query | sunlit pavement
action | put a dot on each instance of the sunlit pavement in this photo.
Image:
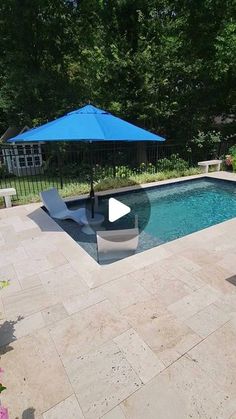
(152, 336)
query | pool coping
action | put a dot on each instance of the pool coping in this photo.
(95, 275)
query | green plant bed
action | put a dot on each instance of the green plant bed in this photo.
(78, 188)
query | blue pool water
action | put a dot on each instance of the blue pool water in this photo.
(183, 208)
(175, 210)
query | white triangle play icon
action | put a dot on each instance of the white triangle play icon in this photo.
(116, 210)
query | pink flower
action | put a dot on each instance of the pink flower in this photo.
(3, 413)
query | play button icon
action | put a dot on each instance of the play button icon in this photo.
(116, 210)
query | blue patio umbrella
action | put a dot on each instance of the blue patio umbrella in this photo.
(87, 124)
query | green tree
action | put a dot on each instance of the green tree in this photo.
(167, 65)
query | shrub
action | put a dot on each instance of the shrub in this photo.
(3, 170)
(173, 163)
(232, 150)
(234, 164)
(113, 183)
(205, 144)
(123, 171)
(230, 159)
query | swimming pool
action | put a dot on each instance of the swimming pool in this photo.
(175, 210)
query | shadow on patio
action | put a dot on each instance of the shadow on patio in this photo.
(7, 330)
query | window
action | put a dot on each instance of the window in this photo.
(29, 161)
(36, 160)
(27, 149)
(35, 149)
(14, 162)
(20, 149)
(21, 161)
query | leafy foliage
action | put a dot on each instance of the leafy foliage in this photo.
(232, 155)
(4, 284)
(168, 65)
(173, 163)
(232, 150)
(2, 388)
(205, 144)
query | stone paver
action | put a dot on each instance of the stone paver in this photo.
(102, 379)
(191, 280)
(115, 413)
(54, 314)
(26, 302)
(194, 302)
(68, 408)
(182, 391)
(124, 292)
(15, 329)
(216, 356)
(62, 280)
(152, 336)
(30, 281)
(87, 330)
(144, 362)
(228, 261)
(38, 246)
(32, 266)
(34, 375)
(216, 276)
(12, 254)
(8, 273)
(207, 321)
(157, 286)
(84, 300)
(166, 335)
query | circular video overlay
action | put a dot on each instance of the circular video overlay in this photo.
(120, 216)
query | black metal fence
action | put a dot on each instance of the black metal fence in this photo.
(31, 168)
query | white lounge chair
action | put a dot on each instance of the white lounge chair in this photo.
(57, 208)
(113, 245)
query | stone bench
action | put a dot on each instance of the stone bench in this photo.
(208, 163)
(7, 194)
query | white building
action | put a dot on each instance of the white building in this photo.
(21, 159)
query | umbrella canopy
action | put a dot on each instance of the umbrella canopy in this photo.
(87, 124)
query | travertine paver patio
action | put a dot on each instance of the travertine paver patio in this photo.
(150, 337)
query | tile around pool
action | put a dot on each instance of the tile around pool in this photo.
(124, 291)
(87, 329)
(116, 413)
(165, 287)
(194, 302)
(144, 362)
(62, 280)
(26, 302)
(216, 357)
(31, 365)
(207, 320)
(68, 408)
(54, 314)
(182, 391)
(101, 379)
(167, 336)
(79, 302)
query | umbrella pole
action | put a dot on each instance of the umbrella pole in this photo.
(91, 194)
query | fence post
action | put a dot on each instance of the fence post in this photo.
(219, 148)
(157, 157)
(113, 161)
(59, 166)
